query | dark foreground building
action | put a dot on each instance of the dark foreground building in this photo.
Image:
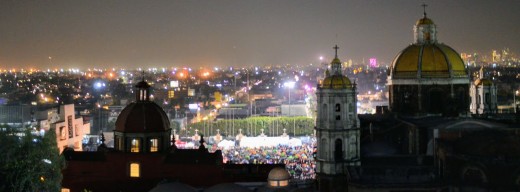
(143, 157)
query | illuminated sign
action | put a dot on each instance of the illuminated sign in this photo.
(373, 62)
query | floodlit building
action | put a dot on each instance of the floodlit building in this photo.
(70, 128)
(483, 96)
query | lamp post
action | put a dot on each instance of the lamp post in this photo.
(290, 85)
(514, 100)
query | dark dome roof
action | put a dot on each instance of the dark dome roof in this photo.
(142, 116)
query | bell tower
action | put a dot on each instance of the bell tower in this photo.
(337, 129)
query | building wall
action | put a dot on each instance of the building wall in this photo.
(483, 99)
(69, 129)
(14, 115)
(412, 99)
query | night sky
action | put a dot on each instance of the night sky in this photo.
(129, 34)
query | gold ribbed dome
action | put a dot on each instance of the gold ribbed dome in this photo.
(336, 82)
(424, 21)
(428, 61)
(485, 82)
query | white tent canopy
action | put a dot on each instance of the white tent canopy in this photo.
(226, 144)
(295, 142)
(264, 141)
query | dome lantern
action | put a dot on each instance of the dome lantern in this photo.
(335, 65)
(335, 78)
(142, 91)
(425, 31)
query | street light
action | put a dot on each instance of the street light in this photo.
(290, 85)
(514, 100)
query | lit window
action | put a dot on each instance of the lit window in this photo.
(65, 190)
(135, 146)
(134, 170)
(63, 134)
(154, 145)
(283, 183)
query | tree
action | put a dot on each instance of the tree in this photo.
(30, 162)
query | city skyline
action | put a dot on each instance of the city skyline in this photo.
(132, 34)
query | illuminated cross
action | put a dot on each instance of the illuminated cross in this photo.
(336, 49)
(424, 8)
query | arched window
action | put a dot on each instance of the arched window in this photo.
(134, 145)
(338, 150)
(154, 145)
(338, 107)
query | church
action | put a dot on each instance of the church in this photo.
(428, 139)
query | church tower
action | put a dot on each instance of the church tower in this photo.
(337, 128)
(483, 96)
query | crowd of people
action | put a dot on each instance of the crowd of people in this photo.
(299, 160)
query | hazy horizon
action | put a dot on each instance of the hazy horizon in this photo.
(130, 34)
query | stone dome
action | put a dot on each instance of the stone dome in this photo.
(429, 60)
(142, 115)
(278, 174)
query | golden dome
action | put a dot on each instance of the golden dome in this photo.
(424, 21)
(430, 60)
(335, 60)
(336, 82)
(484, 82)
